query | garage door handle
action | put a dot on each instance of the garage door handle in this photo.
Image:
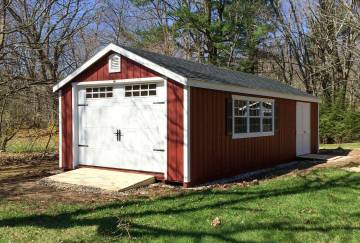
(83, 145)
(159, 102)
(159, 150)
(82, 104)
(118, 135)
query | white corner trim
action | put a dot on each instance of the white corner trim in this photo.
(75, 124)
(122, 81)
(166, 130)
(112, 47)
(60, 131)
(318, 126)
(186, 111)
(237, 89)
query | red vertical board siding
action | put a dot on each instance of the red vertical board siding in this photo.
(314, 128)
(129, 69)
(215, 155)
(175, 129)
(66, 117)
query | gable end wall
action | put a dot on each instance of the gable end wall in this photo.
(129, 70)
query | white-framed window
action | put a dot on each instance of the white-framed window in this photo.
(140, 90)
(114, 63)
(252, 117)
(99, 92)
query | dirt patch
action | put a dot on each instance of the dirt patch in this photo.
(351, 158)
(20, 175)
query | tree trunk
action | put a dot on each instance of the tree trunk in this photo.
(3, 145)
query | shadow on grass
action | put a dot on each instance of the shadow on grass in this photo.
(191, 202)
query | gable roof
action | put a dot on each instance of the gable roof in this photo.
(189, 73)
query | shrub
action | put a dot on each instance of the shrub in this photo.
(339, 125)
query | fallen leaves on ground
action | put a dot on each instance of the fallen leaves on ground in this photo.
(216, 222)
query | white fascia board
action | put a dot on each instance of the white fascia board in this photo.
(153, 66)
(136, 58)
(238, 89)
(82, 68)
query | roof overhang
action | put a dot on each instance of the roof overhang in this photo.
(176, 77)
(237, 89)
(136, 58)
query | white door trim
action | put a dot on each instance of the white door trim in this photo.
(75, 125)
(75, 110)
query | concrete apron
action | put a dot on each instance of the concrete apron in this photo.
(103, 179)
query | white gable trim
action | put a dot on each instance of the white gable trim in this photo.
(238, 89)
(125, 53)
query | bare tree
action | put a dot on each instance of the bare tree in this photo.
(319, 45)
(38, 49)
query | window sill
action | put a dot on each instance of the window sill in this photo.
(252, 135)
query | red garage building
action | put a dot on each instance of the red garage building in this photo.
(182, 121)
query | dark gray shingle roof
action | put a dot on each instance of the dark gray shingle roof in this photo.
(216, 75)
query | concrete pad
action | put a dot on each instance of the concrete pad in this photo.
(103, 179)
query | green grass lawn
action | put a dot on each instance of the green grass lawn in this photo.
(323, 206)
(342, 145)
(33, 140)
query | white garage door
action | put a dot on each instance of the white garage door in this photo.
(123, 126)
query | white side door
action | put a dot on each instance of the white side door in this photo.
(123, 132)
(302, 128)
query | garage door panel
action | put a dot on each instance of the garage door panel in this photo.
(145, 159)
(131, 138)
(142, 123)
